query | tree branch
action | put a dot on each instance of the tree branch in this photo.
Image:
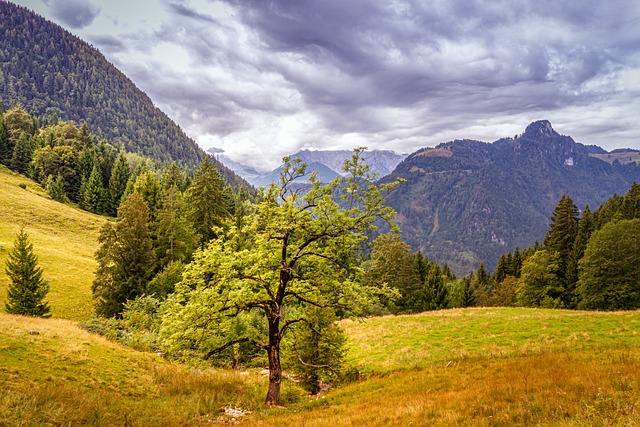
(233, 342)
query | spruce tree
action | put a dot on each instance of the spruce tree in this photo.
(631, 204)
(5, 150)
(207, 201)
(560, 238)
(502, 269)
(27, 289)
(94, 192)
(22, 154)
(55, 188)
(118, 182)
(125, 258)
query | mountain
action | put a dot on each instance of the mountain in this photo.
(54, 73)
(326, 163)
(466, 202)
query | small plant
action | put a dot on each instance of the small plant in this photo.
(22, 185)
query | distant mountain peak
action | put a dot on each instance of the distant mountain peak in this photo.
(540, 128)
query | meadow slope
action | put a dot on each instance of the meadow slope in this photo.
(64, 237)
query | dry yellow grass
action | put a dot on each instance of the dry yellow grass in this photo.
(64, 237)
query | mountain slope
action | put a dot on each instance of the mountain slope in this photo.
(466, 202)
(52, 72)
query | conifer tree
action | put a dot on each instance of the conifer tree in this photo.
(22, 154)
(27, 289)
(436, 292)
(502, 269)
(467, 299)
(5, 150)
(118, 182)
(206, 200)
(55, 188)
(516, 263)
(560, 238)
(125, 258)
(94, 192)
(631, 204)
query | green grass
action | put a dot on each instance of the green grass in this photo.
(66, 376)
(484, 367)
(64, 238)
(389, 343)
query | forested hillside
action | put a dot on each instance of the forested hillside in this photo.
(53, 73)
(466, 202)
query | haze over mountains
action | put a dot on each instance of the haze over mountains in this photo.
(327, 163)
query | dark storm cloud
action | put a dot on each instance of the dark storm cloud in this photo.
(458, 56)
(74, 13)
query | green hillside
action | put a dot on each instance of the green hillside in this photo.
(65, 239)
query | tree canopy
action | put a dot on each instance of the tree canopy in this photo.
(294, 254)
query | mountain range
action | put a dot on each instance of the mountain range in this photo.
(466, 202)
(326, 163)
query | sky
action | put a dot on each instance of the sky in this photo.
(262, 79)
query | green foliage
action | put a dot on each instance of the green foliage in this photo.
(392, 264)
(318, 350)
(298, 258)
(163, 284)
(610, 268)
(540, 283)
(118, 182)
(94, 195)
(22, 154)
(175, 234)
(27, 289)
(125, 258)
(208, 206)
(55, 188)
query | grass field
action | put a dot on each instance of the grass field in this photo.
(546, 374)
(64, 238)
(502, 366)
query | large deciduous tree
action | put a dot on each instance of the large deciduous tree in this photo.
(125, 258)
(299, 259)
(27, 289)
(610, 268)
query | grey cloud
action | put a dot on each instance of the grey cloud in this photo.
(76, 14)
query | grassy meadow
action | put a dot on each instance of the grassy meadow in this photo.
(64, 237)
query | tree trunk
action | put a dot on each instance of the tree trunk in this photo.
(275, 370)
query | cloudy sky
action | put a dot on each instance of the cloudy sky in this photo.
(265, 78)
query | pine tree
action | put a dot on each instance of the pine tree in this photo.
(467, 299)
(125, 258)
(22, 154)
(560, 238)
(27, 289)
(516, 263)
(118, 182)
(5, 150)
(94, 192)
(502, 270)
(631, 203)
(55, 188)
(206, 200)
